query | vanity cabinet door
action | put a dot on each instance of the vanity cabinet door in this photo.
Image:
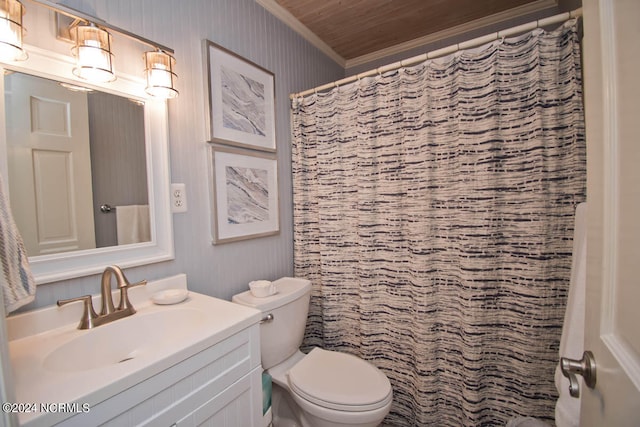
(235, 406)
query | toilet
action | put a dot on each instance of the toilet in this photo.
(319, 389)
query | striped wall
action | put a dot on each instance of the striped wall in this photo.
(247, 29)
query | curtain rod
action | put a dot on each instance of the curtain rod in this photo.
(479, 41)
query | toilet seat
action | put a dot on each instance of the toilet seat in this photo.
(339, 381)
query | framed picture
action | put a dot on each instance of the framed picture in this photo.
(241, 100)
(245, 194)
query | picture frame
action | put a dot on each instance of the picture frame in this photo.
(241, 100)
(245, 194)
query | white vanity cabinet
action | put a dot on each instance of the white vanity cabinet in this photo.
(196, 362)
(220, 386)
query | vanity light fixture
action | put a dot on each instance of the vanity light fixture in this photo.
(92, 46)
(161, 79)
(94, 60)
(11, 12)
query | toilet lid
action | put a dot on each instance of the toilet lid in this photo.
(339, 381)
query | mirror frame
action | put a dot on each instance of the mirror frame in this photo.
(67, 265)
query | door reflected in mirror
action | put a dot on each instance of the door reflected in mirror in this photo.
(70, 152)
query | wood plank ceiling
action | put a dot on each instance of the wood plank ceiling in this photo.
(354, 28)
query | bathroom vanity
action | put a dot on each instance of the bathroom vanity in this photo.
(185, 364)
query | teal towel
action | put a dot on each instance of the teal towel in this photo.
(266, 392)
(16, 281)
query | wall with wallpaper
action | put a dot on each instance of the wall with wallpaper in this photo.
(247, 29)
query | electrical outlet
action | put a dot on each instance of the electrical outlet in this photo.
(178, 198)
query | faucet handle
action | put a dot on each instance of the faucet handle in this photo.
(125, 304)
(140, 283)
(89, 315)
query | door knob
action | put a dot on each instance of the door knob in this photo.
(585, 367)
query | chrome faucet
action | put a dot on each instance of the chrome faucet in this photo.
(108, 312)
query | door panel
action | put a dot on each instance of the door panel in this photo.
(50, 166)
(612, 60)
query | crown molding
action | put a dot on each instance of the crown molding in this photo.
(285, 16)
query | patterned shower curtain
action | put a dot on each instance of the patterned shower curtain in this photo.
(433, 212)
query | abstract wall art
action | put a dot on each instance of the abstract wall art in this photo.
(241, 100)
(245, 194)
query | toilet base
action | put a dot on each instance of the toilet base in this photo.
(286, 413)
(283, 409)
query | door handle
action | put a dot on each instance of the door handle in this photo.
(585, 367)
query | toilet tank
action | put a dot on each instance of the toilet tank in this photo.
(280, 337)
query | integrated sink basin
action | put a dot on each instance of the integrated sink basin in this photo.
(122, 341)
(54, 361)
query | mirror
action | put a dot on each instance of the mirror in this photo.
(77, 166)
(67, 242)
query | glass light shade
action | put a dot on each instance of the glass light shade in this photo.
(161, 79)
(11, 12)
(94, 60)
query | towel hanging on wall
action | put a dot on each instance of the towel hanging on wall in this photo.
(572, 338)
(16, 281)
(133, 224)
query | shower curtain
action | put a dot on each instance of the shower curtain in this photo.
(433, 211)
